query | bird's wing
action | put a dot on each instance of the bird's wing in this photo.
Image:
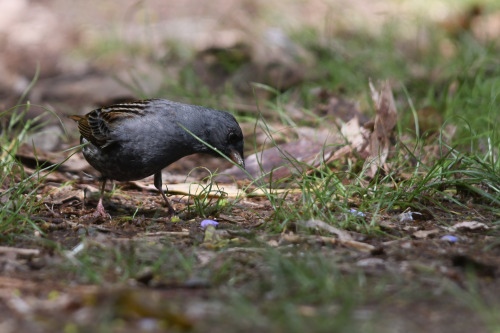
(97, 125)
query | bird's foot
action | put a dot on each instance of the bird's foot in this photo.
(171, 212)
(101, 212)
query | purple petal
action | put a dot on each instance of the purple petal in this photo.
(206, 223)
(357, 212)
(449, 238)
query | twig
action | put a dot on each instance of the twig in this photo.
(20, 251)
(292, 238)
(165, 233)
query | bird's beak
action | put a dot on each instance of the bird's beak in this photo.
(237, 158)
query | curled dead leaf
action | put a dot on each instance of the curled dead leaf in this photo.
(385, 122)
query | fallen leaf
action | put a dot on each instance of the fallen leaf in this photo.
(385, 121)
(318, 224)
(422, 234)
(470, 226)
(282, 160)
(293, 238)
(356, 137)
(371, 262)
(61, 194)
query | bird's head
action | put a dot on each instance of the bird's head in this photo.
(227, 137)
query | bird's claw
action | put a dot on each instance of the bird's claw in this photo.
(101, 212)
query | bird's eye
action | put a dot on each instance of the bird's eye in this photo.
(232, 137)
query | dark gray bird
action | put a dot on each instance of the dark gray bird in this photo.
(131, 141)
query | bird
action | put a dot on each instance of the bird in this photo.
(134, 140)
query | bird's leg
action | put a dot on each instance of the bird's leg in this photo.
(158, 185)
(100, 211)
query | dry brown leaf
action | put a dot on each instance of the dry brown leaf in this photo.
(318, 224)
(357, 140)
(281, 160)
(385, 121)
(425, 233)
(470, 226)
(293, 238)
(61, 194)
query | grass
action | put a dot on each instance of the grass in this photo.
(19, 189)
(465, 94)
(211, 200)
(256, 288)
(91, 262)
(19, 195)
